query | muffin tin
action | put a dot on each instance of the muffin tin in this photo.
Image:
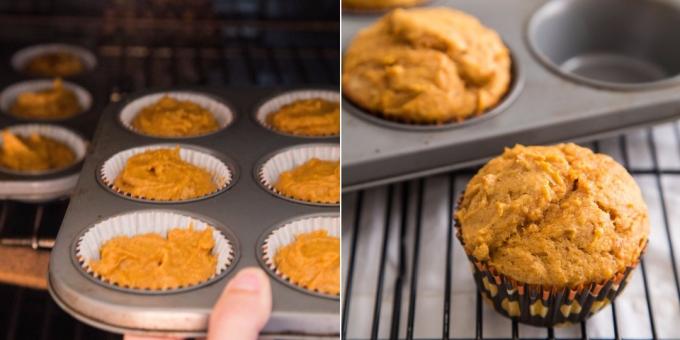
(245, 210)
(580, 72)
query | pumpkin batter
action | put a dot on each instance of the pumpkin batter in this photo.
(315, 181)
(33, 153)
(55, 64)
(559, 216)
(150, 261)
(312, 261)
(426, 66)
(169, 117)
(163, 175)
(379, 4)
(56, 102)
(307, 117)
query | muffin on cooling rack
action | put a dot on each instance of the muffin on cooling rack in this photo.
(553, 231)
(426, 66)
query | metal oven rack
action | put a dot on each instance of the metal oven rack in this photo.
(152, 44)
(408, 277)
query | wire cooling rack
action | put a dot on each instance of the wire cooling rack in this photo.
(406, 276)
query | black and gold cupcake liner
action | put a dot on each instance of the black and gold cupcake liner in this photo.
(544, 306)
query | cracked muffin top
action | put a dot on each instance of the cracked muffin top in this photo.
(426, 66)
(554, 215)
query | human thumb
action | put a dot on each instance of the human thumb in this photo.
(244, 307)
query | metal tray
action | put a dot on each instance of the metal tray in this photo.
(246, 209)
(550, 105)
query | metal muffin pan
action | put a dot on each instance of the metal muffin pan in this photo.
(579, 101)
(246, 208)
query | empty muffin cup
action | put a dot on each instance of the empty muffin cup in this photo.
(614, 44)
(271, 168)
(21, 58)
(274, 104)
(9, 95)
(285, 234)
(87, 247)
(222, 174)
(69, 138)
(221, 112)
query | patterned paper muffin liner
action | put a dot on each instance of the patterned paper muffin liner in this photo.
(544, 306)
(9, 94)
(274, 104)
(222, 113)
(131, 224)
(222, 174)
(23, 56)
(76, 143)
(271, 169)
(285, 235)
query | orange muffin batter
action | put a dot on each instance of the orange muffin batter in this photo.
(312, 261)
(307, 117)
(315, 181)
(55, 64)
(150, 261)
(56, 102)
(169, 117)
(34, 153)
(163, 175)
(379, 4)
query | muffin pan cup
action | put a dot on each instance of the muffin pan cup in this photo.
(39, 186)
(544, 306)
(246, 209)
(549, 106)
(21, 57)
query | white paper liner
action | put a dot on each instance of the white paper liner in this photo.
(60, 134)
(272, 168)
(220, 111)
(274, 104)
(286, 234)
(9, 95)
(143, 222)
(23, 56)
(221, 174)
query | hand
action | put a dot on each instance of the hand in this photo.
(242, 310)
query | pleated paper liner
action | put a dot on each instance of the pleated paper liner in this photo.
(285, 235)
(269, 171)
(63, 135)
(274, 104)
(221, 173)
(9, 95)
(23, 56)
(222, 113)
(544, 306)
(88, 245)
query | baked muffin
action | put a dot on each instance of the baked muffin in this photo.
(379, 4)
(151, 261)
(314, 181)
(426, 66)
(311, 261)
(553, 231)
(307, 117)
(33, 153)
(170, 117)
(55, 64)
(51, 103)
(163, 175)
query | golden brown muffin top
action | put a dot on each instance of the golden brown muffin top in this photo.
(379, 4)
(428, 65)
(554, 215)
